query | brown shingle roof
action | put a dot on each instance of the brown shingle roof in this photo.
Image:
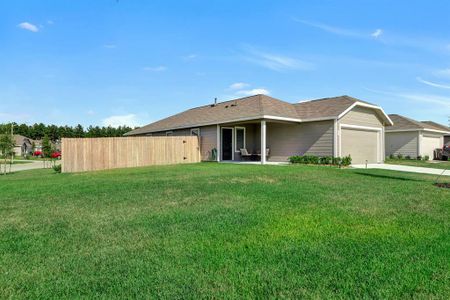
(405, 123)
(437, 125)
(253, 107)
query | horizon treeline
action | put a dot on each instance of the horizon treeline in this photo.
(38, 130)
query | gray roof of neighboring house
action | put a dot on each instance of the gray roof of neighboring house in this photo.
(405, 123)
(252, 107)
(20, 139)
(437, 125)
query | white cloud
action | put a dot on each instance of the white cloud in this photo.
(131, 120)
(433, 84)
(276, 62)
(155, 69)
(330, 29)
(442, 73)
(377, 33)
(28, 26)
(438, 101)
(110, 46)
(238, 85)
(253, 92)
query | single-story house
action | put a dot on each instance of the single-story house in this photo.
(337, 126)
(412, 138)
(22, 145)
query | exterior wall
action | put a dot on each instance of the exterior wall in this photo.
(365, 118)
(405, 143)
(208, 141)
(312, 138)
(362, 116)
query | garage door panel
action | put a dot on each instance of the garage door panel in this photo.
(429, 143)
(361, 145)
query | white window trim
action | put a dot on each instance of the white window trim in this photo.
(198, 130)
(232, 142)
(235, 137)
(169, 133)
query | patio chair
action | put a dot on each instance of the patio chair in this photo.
(267, 152)
(245, 154)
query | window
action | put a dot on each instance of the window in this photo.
(169, 133)
(195, 131)
(239, 138)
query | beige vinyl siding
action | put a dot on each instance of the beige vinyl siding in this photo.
(208, 141)
(362, 116)
(404, 143)
(313, 138)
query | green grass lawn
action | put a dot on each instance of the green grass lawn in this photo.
(419, 163)
(224, 231)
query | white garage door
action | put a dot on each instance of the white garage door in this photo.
(361, 145)
(429, 143)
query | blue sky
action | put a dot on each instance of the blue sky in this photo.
(122, 61)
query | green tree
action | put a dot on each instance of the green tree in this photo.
(46, 148)
(6, 148)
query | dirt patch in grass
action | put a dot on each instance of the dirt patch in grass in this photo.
(443, 185)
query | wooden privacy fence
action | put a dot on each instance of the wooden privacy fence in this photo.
(88, 154)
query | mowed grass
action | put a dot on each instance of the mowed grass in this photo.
(420, 163)
(224, 231)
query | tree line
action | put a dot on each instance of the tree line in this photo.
(39, 130)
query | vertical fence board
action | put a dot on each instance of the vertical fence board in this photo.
(89, 154)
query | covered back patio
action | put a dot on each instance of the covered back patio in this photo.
(244, 141)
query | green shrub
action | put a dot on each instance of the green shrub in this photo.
(57, 168)
(426, 157)
(391, 156)
(407, 157)
(419, 157)
(324, 160)
(400, 156)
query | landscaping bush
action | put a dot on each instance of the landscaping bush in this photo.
(426, 157)
(57, 168)
(391, 156)
(419, 157)
(400, 156)
(407, 157)
(324, 160)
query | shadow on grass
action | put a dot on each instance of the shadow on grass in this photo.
(388, 177)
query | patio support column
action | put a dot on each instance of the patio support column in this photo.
(218, 144)
(263, 142)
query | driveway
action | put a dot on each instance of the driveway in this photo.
(28, 166)
(404, 169)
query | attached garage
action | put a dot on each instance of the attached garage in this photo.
(362, 145)
(429, 143)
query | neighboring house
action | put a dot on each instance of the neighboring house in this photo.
(412, 138)
(22, 145)
(336, 126)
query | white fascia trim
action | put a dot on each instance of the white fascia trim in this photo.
(360, 127)
(366, 105)
(281, 118)
(418, 129)
(319, 119)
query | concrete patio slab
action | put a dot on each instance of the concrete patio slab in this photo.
(404, 169)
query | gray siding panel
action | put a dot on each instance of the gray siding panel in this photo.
(404, 143)
(208, 141)
(312, 138)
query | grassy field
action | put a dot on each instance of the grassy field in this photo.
(224, 231)
(420, 163)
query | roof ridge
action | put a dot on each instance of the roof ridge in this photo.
(418, 123)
